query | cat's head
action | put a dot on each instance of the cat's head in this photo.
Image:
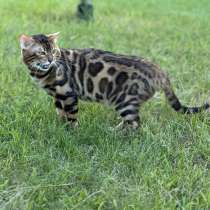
(39, 51)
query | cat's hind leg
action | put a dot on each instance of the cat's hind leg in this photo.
(129, 111)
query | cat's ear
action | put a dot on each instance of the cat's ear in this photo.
(53, 37)
(26, 41)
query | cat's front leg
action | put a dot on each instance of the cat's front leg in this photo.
(67, 106)
(59, 109)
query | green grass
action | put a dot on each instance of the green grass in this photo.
(164, 165)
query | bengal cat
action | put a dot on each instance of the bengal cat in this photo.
(124, 82)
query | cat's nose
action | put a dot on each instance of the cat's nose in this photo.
(50, 59)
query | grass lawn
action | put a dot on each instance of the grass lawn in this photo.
(164, 165)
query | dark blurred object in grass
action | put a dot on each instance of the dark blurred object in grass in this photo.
(85, 10)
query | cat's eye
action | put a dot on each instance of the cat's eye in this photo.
(42, 53)
(54, 51)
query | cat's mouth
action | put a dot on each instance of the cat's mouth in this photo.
(42, 67)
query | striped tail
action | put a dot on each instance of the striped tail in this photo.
(177, 106)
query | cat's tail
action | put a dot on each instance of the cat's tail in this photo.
(177, 106)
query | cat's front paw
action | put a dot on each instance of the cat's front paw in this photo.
(71, 125)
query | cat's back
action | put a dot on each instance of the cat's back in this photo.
(107, 59)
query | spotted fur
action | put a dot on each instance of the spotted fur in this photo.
(123, 82)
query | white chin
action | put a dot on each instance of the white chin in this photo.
(41, 69)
